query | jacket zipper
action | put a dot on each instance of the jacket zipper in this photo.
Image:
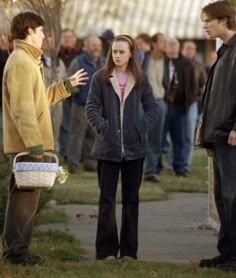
(206, 98)
(121, 129)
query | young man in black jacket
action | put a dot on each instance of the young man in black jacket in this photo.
(218, 130)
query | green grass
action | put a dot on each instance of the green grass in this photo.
(60, 268)
(62, 257)
(61, 253)
(51, 216)
(82, 188)
(56, 245)
(197, 181)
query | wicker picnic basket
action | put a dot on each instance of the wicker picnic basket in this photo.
(33, 175)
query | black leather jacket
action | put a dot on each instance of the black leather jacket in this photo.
(121, 129)
(219, 102)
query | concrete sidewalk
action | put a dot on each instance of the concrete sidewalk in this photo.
(174, 230)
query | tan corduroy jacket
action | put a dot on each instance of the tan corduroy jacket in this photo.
(26, 115)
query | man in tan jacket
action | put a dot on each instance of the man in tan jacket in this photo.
(27, 127)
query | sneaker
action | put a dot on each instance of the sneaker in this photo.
(27, 260)
(110, 259)
(152, 179)
(220, 259)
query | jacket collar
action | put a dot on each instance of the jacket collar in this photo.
(129, 86)
(34, 52)
(231, 41)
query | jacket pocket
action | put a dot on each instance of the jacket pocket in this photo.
(141, 129)
(104, 131)
(227, 125)
(140, 137)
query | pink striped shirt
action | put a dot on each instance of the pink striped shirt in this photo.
(122, 80)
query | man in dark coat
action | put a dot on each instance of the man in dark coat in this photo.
(218, 129)
(179, 84)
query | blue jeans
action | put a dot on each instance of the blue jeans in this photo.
(155, 138)
(224, 164)
(192, 117)
(168, 152)
(176, 124)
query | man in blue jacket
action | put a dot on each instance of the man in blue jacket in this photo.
(81, 135)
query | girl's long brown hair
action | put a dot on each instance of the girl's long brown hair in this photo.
(133, 65)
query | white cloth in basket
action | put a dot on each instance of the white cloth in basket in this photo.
(38, 166)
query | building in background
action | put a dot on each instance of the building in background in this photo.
(174, 18)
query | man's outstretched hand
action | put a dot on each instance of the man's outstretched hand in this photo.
(79, 78)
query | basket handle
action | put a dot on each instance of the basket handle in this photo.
(44, 154)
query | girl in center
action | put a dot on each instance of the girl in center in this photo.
(121, 109)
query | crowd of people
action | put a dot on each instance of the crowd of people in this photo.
(118, 105)
(161, 58)
(177, 80)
